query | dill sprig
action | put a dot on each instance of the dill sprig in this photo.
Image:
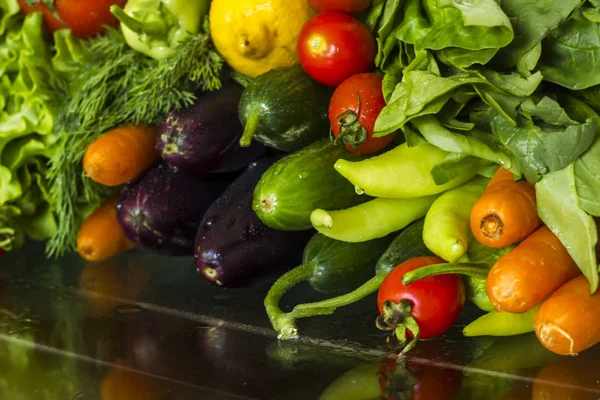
(116, 86)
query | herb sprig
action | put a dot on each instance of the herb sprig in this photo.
(116, 85)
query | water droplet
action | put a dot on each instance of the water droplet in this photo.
(358, 190)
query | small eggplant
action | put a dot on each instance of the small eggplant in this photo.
(205, 137)
(233, 247)
(162, 210)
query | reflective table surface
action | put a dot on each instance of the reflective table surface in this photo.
(142, 326)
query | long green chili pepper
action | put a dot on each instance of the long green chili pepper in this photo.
(497, 323)
(402, 172)
(373, 219)
(447, 230)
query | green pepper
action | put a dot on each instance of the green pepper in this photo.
(373, 219)
(447, 230)
(497, 323)
(155, 27)
(402, 172)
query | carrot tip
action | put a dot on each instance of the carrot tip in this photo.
(548, 334)
(492, 226)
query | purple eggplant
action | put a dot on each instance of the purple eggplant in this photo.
(233, 247)
(162, 210)
(205, 137)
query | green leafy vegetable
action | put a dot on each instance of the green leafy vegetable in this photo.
(587, 179)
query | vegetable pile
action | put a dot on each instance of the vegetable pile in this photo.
(431, 151)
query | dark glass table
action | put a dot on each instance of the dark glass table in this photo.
(142, 326)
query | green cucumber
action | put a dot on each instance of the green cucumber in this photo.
(284, 109)
(301, 182)
(331, 267)
(408, 244)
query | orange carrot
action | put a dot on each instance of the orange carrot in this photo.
(569, 321)
(530, 272)
(101, 236)
(506, 213)
(121, 154)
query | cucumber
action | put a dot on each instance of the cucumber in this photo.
(407, 244)
(340, 266)
(301, 182)
(284, 109)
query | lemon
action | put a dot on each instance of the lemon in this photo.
(255, 36)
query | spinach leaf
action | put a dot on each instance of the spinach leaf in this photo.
(455, 164)
(544, 139)
(570, 53)
(436, 134)
(463, 58)
(587, 179)
(531, 21)
(560, 209)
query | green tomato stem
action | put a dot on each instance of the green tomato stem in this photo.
(284, 323)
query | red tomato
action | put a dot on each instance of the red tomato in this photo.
(353, 109)
(333, 46)
(84, 17)
(349, 6)
(435, 302)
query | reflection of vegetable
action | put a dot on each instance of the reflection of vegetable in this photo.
(506, 213)
(408, 244)
(373, 219)
(300, 182)
(230, 237)
(401, 172)
(162, 210)
(497, 323)
(84, 17)
(101, 236)
(529, 273)
(204, 137)
(123, 382)
(284, 109)
(330, 266)
(120, 155)
(567, 322)
(141, 91)
(333, 46)
(156, 27)
(353, 109)
(446, 232)
(423, 309)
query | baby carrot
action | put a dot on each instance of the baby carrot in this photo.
(529, 273)
(101, 236)
(506, 213)
(121, 154)
(568, 321)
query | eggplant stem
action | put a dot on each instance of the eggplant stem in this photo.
(473, 270)
(284, 323)
(250, 128)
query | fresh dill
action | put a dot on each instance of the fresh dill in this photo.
(115, 85)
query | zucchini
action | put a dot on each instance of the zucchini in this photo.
(331, 267)
(301, 182)
(284, 109)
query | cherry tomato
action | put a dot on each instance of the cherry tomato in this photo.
(333, 46)
(84, 17)
(433, 303)
(353, 109)
(349, 6)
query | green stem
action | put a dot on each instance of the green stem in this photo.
(330, 305)
(150, 29)
(282, 322)
(250, 128)
(474, 270)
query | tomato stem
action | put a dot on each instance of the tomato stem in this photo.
(397, 317)
(351, 132)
